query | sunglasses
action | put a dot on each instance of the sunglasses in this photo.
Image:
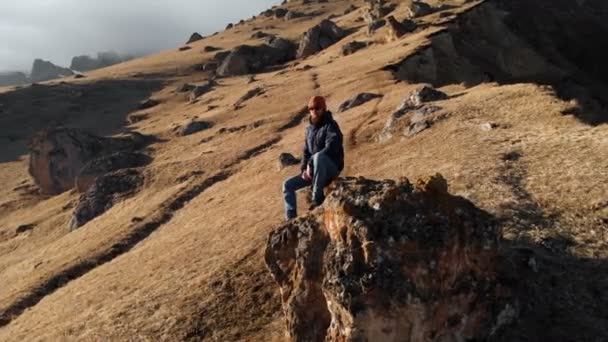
(315, 108)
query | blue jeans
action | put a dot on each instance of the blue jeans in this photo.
(324, 170)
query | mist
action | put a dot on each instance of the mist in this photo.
(57, 30)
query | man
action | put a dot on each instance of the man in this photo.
(323, 157)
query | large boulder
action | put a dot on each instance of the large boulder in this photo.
(106, 164)
(105, 192)
(245, 59)
(57, 155)
(390, 261)
(318, 38)
(43, 71)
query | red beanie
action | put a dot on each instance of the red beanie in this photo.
(317, 102)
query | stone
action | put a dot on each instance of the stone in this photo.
(25, 228)
(286, 160)
(199, 91)
(290, 15)
(420, 96)
(245, 59)
(373, 26)
(350, 9)
(357, 100)
(184, 48)
(210, 48)
(389, 261)
(194, 37)
(280, 13)
(57, 155)
(193, 127)
(319, 37)
(248, 95)
(149, 103)
(352, 47)
(419, 9)
(105, 192)
(399, 29)
(184, 88)
(106, 164)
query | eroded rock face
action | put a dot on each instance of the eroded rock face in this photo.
(57, 155)
(44, 70)
(389, 261)
(245, 59)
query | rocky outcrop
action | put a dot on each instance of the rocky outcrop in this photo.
(389, 261)
(12, 78)
(319, 38)
(106, 164)
(420, 96)
(245, 59)
(105, 192)
(419, 9)
(57, 155)
(357, 100)
(202, 89)
(44, 71)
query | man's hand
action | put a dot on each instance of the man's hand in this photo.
(307, 174)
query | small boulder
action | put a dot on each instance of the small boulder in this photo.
(419, 9)
(375, 25)
(199, 91)
(105, 192)
(194, 37)
(210, 48)
(357, 100)
(290, 15)
(184, 88)
(149, 103)
(287, 159)
(280, 13)
(248, 95)
(352, 47)
(420, 96)
(399, 29)
(184, 48)
(194, 127)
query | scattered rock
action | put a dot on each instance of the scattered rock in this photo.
(420, 96)
(260, 35)
(184, 48)
(199, 91)
(248, 95)
(419, 9)
(25, 228)
(389, 261)
(280, 13)
(105, 192)
(290, 15)
(57, 155)
(488, 126)
(287, 159)
(135, 118)
(420, 120)
(149, 103)
(511, 156)
(194, 37)
(194, 127)
(229, 26)
(352, 47)
(357, 100)
(399, 29)
(373, 26)
(210, 48)
(100, 166)
(319, 38)
(79, 76)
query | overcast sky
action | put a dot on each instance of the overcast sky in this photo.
(58, 30)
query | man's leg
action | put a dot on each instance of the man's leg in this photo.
(289, 195)
(324, 171)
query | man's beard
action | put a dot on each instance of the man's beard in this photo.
(316, 119)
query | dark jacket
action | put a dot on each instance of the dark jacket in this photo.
(326, 137)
